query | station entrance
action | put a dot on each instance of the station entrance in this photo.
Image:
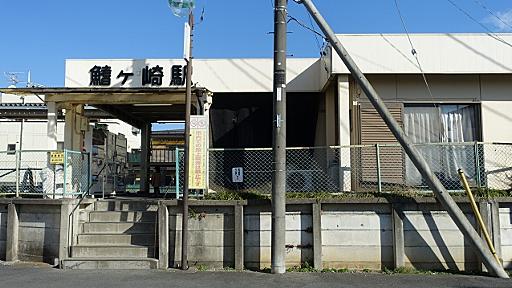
(138, 107)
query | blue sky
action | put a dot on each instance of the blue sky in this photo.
(40, 35)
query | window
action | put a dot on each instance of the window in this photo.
(451, 123)
(11, 149)
(441, 123)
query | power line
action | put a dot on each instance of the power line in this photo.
(291, 18)
(316, 36)
(489, 31)
(493, 13)
(413, 50)
(315, 33)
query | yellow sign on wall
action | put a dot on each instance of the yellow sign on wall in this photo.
(198, 151)
(57, 157)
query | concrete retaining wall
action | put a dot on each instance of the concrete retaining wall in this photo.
(505, 218)
(39, 233)
(357, 236)
(354, 234)
(257, 235)
(30, 230)
(433, 241)
(3, 230)
(211, 236)
(348, 233)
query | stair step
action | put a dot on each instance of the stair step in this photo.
(122, 216)
(118, 227)
(119, 239)
(125, 205)
(106, 251)
(110, 263)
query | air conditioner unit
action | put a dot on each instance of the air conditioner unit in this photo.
(299, 180)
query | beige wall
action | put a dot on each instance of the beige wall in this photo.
(412, 88)
(493, 92)
(459, 53)
(217, 75)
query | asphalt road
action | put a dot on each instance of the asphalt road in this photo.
(21, 277)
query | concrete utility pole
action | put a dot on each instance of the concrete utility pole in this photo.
(279, 140)
(495, 268)
(188, 102)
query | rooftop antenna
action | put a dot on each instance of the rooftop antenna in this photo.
(13, 78)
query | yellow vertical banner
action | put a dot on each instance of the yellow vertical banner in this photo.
(198, 151)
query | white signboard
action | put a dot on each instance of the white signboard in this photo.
(237, 175)
(152, 73)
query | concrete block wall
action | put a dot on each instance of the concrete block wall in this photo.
(257, 236)
(433, 241)
(3, 230)
(357, 236)
(354, 234)
(39, 232)
(505, 218)
(211, 236)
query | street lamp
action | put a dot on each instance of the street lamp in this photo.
(181, 8)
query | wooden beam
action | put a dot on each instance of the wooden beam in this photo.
(122, 115)
(107, 98)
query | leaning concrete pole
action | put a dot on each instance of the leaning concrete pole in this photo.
(278, 251)
(442, 195)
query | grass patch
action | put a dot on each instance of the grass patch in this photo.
(334, 270)
(398, 194)
(304, 267)
(202, 267)
(244, 195)
(234, 195)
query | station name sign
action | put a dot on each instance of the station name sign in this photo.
(101, 76)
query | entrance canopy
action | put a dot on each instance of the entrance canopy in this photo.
(135, 106)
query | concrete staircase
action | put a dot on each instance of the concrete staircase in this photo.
(116, 234)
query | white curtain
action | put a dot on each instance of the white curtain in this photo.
(459, 124)
(422, 124)
(441, 123)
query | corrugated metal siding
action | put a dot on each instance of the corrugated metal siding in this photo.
(374, 131)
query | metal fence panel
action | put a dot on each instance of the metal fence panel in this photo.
(77, 173)
(364, 168)
(30, 174)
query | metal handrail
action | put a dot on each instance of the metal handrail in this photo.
(71, 215)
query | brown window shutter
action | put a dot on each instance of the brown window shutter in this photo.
(373, 131)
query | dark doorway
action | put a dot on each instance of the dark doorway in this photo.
(244, 120)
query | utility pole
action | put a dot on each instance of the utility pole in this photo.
(188, 102)
(437, 187)
(278, 252)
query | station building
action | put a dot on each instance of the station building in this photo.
(456, 89)
(456, 93)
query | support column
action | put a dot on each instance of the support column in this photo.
(144, 157)
(398, 235)
(163, 236)
(51, 128)
(344, 133)
(11, 251)
(239, 236)
(317, 235)
(496, 228)
(489, 210)
(76, 125)
(67, 228)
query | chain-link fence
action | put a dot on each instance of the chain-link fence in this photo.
(364, 168)
(33, 174)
